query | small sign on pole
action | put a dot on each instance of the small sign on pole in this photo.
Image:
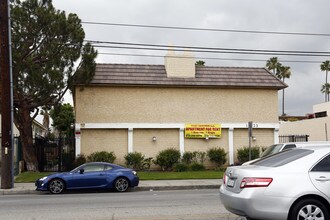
(250, 124)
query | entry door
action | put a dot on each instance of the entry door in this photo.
(320, 176)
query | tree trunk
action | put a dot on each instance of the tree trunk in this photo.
(24, 125)
(326, 82)
(283, 101)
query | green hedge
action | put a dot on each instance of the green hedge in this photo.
(166, 159)
(217, 156)
(102, 156)
(243, 154)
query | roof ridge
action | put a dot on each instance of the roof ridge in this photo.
(130, 64)
(139, 64)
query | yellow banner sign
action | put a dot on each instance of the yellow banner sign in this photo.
(202, 131)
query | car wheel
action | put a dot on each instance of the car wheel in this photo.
(309, 209)
(56, 186)
(121, 184)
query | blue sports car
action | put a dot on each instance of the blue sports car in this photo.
(98, 175)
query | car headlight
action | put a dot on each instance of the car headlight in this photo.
(43, 178)
(134, 172)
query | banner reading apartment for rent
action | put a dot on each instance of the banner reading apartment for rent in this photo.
(202, 131)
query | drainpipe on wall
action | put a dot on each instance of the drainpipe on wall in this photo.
(326, 131)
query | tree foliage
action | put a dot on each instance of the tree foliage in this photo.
(63, 119)
(325, 66)
(46, 44)
(200, 63)
(280, 71)
(326, 90)
(273, 64)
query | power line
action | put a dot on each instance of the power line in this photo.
(234, 51)
(172, 47)
(211, 58)
(207, 29)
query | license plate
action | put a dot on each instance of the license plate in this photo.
(230, 182)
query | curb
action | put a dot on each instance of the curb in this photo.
(160, 188)
(17, 192)
(140, 188)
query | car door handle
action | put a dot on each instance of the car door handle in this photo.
(322, 179)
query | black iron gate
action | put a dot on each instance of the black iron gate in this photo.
(55, 155)
(293, 138)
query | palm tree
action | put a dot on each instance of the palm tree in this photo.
(283, 73)
(325, 66)
(273, 64)
(280, 71)
(200, 63)
(326, 90)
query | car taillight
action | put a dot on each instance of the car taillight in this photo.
(255, 182)
(224, 179)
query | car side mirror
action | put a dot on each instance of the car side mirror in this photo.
(81, 171)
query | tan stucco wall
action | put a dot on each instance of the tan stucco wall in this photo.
(165, 138)
(116, 141)
(203, 145)
(15, 130)
(174, 105)
(325, 106)
(264, 138)
(105, 140)
(316, 128)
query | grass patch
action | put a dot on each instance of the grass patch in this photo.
(158, 175)
(31, 177)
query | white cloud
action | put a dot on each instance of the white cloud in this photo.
(259, 15)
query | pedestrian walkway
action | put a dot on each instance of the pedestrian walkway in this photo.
(144, 185)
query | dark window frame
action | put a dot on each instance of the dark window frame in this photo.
(323, 165)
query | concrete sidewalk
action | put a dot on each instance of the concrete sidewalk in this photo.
(146, 185)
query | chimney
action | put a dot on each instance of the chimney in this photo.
(180, 66)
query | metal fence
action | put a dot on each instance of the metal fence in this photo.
(293, 138)
(55, 155)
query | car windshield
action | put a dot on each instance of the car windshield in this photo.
(76, 169)
(272, 150)
(282, 158)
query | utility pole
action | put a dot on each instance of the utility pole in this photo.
(250, 128)
(6, 98)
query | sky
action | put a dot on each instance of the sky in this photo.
(289, 16)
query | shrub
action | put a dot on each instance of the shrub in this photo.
(102, 156)
(200, 157)
(243, 154)
(181, 167)
(187, 157)
(197, 167)
(217, 156)
(134, 160)
(166, 159)
(193, 157)
(81, 159)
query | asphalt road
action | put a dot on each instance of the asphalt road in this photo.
(137, 205)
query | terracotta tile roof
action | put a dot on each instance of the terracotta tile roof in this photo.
(155, 75)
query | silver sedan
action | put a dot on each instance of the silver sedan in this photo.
(291, 185)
